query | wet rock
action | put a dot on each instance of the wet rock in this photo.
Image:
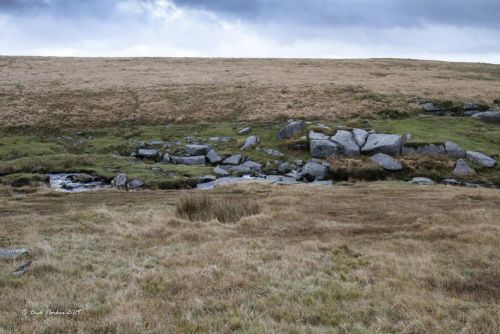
(384, 143)
(453, 150)
(135, 184)
(12, 253)
(273, 152)
(360, 136)
(423, 181)
(245, 131)
(213, 157)
(462, 168)
(233, 160)
(387, 162)
(248, 167)
(147, 153)
(197, 150)
(480, 159)
(314, 171)
(120, 181)
(490, 116)
(220, 171)
(324, 148)
(431, 107)
(250, 142)
(292, 129)
(347, 141)
(192, 161)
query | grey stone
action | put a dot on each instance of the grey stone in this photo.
(296, 175)
(453, 150)
(317, 136)
(192, 161)
(462, 168)
(408, 150)
(220, 171)
(120, 181)
(299, 162)
(480, 159)
(292, 129)
(147, 153)
(273, 152)
(384, 143)
(248, 167)
(12, 253)
(470, 106)
(324, 148)
(207, 178)
(360, 136)
(281, 180)
(284, 168)
(490, 116)
(470, 113)
(245, 131)
(387, 162)
(431, 107)
(232, 160)
(431, 149)
(250, 142)
(347, 141)
(135, 184)
(22, 269)
(213, 157)
(314, 171)
(423, 181)
(166, 157)
(154, 143)
(197, 150)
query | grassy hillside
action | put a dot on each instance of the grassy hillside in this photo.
(62, 92)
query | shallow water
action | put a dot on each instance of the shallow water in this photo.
(62, 182)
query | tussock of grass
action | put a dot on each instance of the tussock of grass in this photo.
(197, 207)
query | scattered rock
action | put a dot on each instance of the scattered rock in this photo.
(250, 142)
(232, 160)
(347, 141)
(192, 161)
(317, 136)
(384, 143)
(324, 148)
(292, 129)
(147, 153)
(120, 181)
(23, 269)
(197, 150)
(273, 152)
(245, 131)
(470, 106)
(248, 167)
(12, 253)
(135, 184)
(480, 159)
(220, 139)
(387, 162)
(284, 168)
(431, 107)
(490, 116)
(314, 171)
(453, 150)
(166, 158)
(462, 168)
(423, 181)
(220, 171)
(213, 157)
(360, 136)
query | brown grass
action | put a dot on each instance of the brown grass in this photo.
(368, 258)
(62, 92)
(202, 207)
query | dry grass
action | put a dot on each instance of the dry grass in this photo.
(79, 92)
(370, 258)
(202, 207)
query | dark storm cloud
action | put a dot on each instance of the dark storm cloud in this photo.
(378, 13)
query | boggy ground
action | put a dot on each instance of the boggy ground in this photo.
(89, 92)
(379, 257)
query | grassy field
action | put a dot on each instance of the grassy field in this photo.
(82, 92)
(369, 258)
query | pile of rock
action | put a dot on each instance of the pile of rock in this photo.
(469, 109)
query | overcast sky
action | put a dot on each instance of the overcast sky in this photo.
(458, 30)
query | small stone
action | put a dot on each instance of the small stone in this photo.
(250, 142)
(166, 157)
(384, 143)
(314, 171)
(387, 162)
(431, 149)
(431, 107)
(481, 159)
(213, 157)
(147, 153)
(317, 136)
(245, 131)
(490, 116)
(192, 161)
(197, 150)
(220, 171)
(347, 141)
(324, 148)
(360, 136)
(470, 106)
(423, 181)
(119, 181)
(232, 160)
(292, 129)
(462, 168)
(284, 168)
(248, 167)
(453, 150)
(12, 253)
(135, 184)
(273, 152)
(207, 178)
